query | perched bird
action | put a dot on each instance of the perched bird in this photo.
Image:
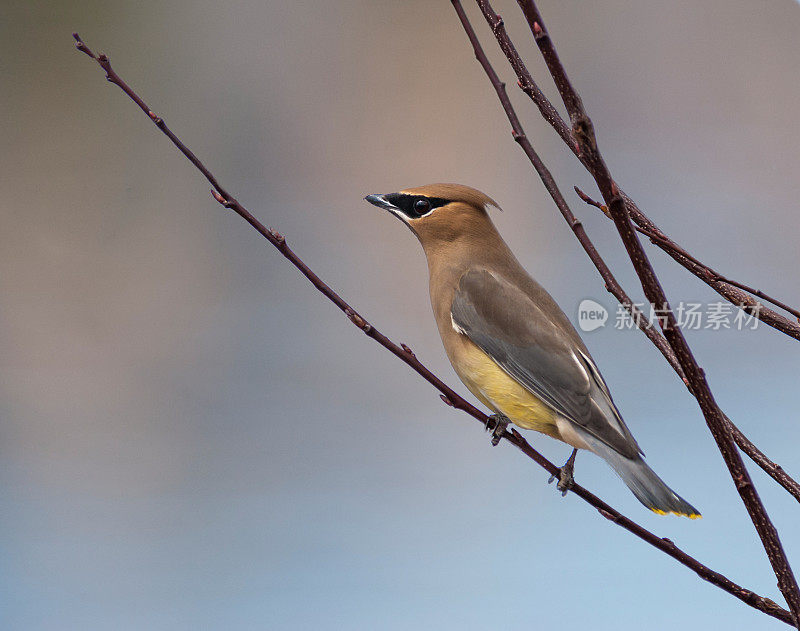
(511, 344)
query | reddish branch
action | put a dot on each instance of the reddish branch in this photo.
(734, 292)
(770, 467)
(583, 133)
(711, 277)
(611, 284)
(773, 469)
(656, 236)
(518, 134)
(448, 395)
(724, 286)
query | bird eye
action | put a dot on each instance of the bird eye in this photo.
(422, 206)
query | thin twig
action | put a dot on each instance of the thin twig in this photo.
(519, 136)
(449, 396)
(733, 291)
(611, 284)
(765, 605)
(773, 469)
(730, 290)
(698, 268)
(583, 132)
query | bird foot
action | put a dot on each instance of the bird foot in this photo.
(496, 424)
(565, 477)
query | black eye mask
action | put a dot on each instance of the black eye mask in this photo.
(415, 206)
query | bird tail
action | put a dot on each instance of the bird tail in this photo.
(643, 482)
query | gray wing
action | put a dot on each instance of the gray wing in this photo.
(535, 350)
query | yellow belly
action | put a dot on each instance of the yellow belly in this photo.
(492, 385)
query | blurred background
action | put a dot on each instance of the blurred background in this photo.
(192, 437)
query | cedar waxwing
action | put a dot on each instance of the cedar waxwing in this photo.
(511, 344)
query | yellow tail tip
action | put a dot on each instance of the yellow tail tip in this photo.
(689, 515)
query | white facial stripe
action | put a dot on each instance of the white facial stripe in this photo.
(405, 218)
(399, 214)
(425, 215)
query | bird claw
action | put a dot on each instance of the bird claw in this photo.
(565, 482)
(565, 475)
(496, 424)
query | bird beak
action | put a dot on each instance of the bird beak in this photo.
(380, 202)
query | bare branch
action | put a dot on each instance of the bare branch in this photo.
(611, 284)
(734, 292)
(518, 134)
(583, 132)
(699, 269)
(449, 396)
(773, 469)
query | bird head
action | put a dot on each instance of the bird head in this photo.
(439, 213)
